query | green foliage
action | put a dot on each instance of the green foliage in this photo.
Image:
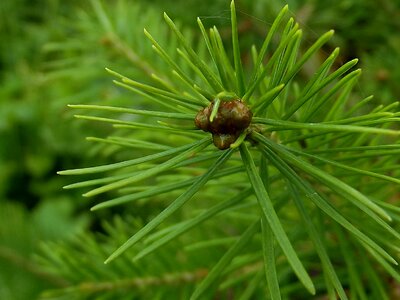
(304, 200)
(291, 153)
(44, 66)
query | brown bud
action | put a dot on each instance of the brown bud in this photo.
(202, 120)
(223, 141)
(232, 118)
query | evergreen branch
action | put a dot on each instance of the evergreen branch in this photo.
(117, 42)
(320, 202)
(319, 82)
(318, 244)
(282, 45)
(346, 167)
(289, 125)
(10, 256)
(168, 279)
(269, 260)
(127, 163)
(192, 223)
(159, 114)
(158, 190)
(152, 171)
(219, 267)
(333, 183)
(129, 142)
(312, 50)
(342, 83)
(236, 53)
(128, 124)
(179, 202)
(204, 90)
(273, 220)
(258, 64)
(266, 99)
(208, 74)
(268, 241)
(356, 284)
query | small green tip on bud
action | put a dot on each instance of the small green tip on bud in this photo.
(239, 140)
(214, 110)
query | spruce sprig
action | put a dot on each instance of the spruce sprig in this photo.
(302, 145)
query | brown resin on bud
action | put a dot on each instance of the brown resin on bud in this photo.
(223, 141)
(202, 119)
(232, 118)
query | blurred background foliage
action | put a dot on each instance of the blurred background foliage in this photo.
(53, 53)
